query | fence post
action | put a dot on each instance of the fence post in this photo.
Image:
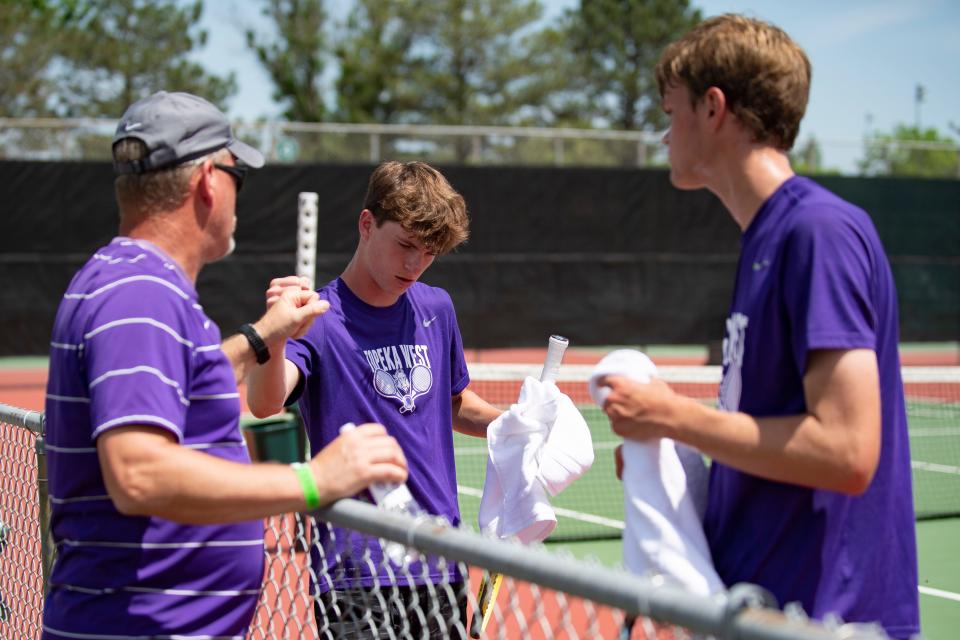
(476, 149)
(641, 153)
(374, 148)
(43, 495)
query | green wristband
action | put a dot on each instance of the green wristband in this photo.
(308, 484)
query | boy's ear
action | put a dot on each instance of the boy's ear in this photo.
(366, 223)
(715, 104)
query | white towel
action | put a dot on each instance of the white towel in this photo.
(662, 481)
(568, 451)
(538, 447)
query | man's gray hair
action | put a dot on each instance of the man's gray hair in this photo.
(154, 191)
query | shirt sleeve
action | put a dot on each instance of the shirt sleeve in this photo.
(827, 285)
(459, 374)
(304, 353)
(138, 355)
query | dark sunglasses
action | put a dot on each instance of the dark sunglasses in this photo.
(237, 172)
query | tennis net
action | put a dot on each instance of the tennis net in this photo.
(592, 507)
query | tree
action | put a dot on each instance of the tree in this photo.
(475, 63)
(557, 95)
(29, 42)
(375, 60)
(295, 58)
(616, 44)
(911, 151)
(474, 66)
(807, 158)
(124, 50)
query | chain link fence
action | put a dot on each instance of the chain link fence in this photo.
(22, 524)
(318, 567)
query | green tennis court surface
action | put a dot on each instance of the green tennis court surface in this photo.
(590, 511)
(935, 455)
(592, 507)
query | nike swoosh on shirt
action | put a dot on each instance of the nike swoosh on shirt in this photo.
(427, 323)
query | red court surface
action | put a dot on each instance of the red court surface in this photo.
(25, 387)
(573, 355)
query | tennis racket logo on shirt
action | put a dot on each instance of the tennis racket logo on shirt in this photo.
(403, 387)
(731, 386)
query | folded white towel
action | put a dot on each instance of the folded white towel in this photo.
(539, 446)
(664, 527)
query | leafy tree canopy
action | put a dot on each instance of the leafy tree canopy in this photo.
(911, 151)
(94, 57)
(295, 56)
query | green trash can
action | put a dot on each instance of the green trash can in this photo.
(279, 439)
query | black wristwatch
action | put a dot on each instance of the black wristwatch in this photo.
(256, 343)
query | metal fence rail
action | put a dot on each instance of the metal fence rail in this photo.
(545, 595)
(286, 142)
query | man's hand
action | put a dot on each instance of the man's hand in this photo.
(639, 411)
(291, 309)
(279, 285)
(355, 459)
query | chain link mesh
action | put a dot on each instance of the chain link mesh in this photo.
(21, 575)
(318, 578)
(298, 601)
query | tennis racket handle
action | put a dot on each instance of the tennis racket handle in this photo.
(486, 599)
(556, 346)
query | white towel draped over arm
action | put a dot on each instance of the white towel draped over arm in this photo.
(664, 495)
(536, 449)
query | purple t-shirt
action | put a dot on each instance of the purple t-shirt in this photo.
(813, 275)
(131, 345)
(399, 366)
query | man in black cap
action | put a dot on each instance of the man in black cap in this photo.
(156, 509)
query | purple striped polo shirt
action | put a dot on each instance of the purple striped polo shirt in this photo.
(131, 345)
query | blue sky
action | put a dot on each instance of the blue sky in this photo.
(868, 57)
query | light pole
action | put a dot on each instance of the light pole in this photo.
(918, 95)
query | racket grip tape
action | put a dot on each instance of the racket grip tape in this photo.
(556, 347)
(486, 601)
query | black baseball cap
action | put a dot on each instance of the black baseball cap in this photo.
(178, 127)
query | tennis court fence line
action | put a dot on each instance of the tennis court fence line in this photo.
(59, 139)
(545, 595)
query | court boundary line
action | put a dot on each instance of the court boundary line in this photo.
(567, 513)
(939, 593)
